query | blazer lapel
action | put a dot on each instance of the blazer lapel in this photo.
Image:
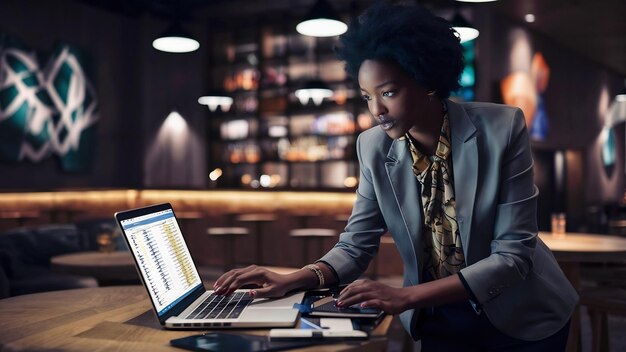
(407, 195)
(465, 166)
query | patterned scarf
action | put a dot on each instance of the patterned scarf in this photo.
(439, 206)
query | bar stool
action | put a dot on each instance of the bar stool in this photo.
(187, 217)
(304, 217)
(311, 235)
(600, 302)
(343, 218)
(227, 217)
(385, 239)
(228, 234)
(258, 220)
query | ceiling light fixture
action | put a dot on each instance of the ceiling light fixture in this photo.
(529, 17)
(315, 90)
(215, 101)
(176, 40)
(465, 30)
(321, 21)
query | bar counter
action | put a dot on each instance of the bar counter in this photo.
(199, 210)
(210, 202)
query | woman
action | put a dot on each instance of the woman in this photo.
(453, 184)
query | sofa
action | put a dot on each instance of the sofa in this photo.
(25, 258)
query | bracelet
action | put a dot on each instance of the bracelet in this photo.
(318, 272)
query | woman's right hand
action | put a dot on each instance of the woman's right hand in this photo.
(270, 284)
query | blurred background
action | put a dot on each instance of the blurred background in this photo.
(139, 124)
(248, 115)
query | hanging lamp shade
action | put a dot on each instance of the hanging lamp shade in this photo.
(216, 99)
(176, 40)
(466, 31)
(315, 90)
(321, 21)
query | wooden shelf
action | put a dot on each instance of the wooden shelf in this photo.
(296, 58)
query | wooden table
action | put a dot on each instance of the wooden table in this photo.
(117, 318)
(112, 268)
(572, 249)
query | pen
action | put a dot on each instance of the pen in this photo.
(295, 334)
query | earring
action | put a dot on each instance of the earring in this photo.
(431, 94)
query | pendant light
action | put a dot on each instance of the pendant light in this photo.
(321, 21)
(176, 40)
(315, 90)
(466, 31)
(215, 100)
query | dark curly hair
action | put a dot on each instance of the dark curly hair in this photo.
(422, 44)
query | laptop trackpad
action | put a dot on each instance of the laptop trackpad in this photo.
(270, 315)
(285, 302)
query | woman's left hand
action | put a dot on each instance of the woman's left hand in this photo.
(372, 294)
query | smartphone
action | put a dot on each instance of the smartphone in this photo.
(223, 341)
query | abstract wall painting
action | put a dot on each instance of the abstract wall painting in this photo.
(48, 110)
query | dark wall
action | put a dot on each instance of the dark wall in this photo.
(574, 96)
(578, 97)
(137, 87)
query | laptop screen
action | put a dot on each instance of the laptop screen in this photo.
(162, 257)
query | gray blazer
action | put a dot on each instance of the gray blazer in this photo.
(510, 271)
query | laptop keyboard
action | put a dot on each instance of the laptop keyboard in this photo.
(221, 307)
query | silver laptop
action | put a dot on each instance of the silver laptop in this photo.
(178, 296)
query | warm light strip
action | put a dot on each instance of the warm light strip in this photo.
(207, 201)
(67, 199)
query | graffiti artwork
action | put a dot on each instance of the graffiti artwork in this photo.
(525, 90)
(45, 111)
